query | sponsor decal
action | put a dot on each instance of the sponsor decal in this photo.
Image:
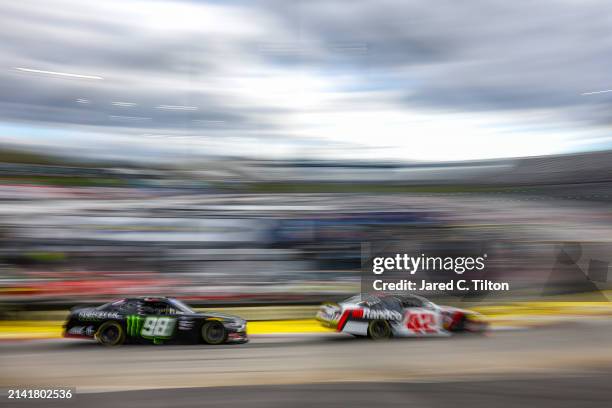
(134, 325)
(82, 330)
(381, 314)
(185, 324)
(98, 315)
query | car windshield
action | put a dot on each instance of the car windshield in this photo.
(111, 304)
(391, 302)
(365, 298)
(180, 306)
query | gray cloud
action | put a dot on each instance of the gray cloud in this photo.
(139, 64)
(468, 56)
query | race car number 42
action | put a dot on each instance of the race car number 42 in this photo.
(421, 323)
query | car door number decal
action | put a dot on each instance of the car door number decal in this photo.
(150, 327)
(422, 323)
(158, 327)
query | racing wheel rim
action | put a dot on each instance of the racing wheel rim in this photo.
(379, 330)
(110, 334)
(213, 332)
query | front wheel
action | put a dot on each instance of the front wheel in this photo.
(379, 330)
(110, 334)
(213, 332)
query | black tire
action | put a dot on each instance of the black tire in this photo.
(379, 330)
(214, 332)
(110, 334)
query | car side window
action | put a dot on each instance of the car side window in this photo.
(158, 308)
(131, 306)
(149, 308)
(411, 302)
(392, 303)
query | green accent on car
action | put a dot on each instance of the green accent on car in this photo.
(134, 324)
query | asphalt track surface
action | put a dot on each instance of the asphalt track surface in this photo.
(566, 365)
(573, 392)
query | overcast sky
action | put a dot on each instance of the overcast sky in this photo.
(383, 80)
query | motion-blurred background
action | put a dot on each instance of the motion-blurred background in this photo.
(234, 153)
(242, 154)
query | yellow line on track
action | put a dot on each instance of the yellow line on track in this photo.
(286, 326)
(53, 329)
(519, 313)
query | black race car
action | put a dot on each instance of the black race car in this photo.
(157, 320)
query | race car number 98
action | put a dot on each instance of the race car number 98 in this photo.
(158, 326)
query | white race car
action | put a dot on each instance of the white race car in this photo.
(385, 316)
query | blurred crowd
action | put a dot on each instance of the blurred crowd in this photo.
(87, 234)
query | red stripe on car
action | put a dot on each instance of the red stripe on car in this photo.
(355, 313)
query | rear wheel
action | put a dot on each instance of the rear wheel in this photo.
(110, 334)
(379, 330)
(213, 332)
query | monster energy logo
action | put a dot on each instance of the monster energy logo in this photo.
(134, 324)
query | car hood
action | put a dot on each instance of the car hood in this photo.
(222, 316)
(451, 309)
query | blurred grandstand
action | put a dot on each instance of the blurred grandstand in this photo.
(231, 231)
